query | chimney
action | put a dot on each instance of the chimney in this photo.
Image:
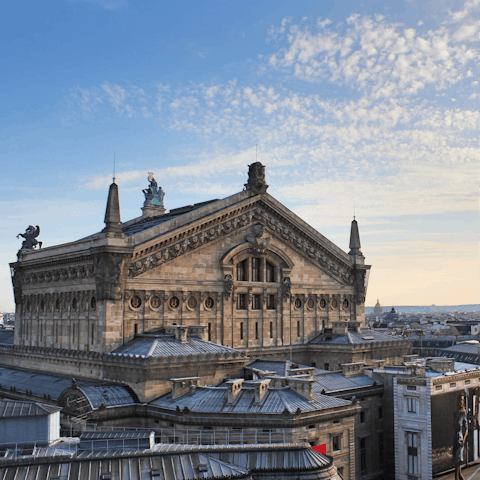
(354, 240)
(378, 364)
(302, 386)
(305, 372)
(234, 387)
(181, 334)
(339, 328)
(112, 212)
(441, 365)
(352, 369)
(181, 386)
(261, 388)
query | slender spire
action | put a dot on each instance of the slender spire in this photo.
(112, 212)
(354, 239)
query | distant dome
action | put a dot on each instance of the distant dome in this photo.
(377, 309)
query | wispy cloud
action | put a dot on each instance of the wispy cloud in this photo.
(376, 57)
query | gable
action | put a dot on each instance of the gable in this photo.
(230, 226)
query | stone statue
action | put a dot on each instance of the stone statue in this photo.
(229, 287)
(30, 235)
(258, 240)
(154, 194)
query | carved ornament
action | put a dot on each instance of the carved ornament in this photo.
(271, 223)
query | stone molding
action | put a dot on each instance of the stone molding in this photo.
(62, 274)
(255, 213)
(63, 355)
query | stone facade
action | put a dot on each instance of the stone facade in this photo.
(246, 267)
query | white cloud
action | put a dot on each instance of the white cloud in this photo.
(376, 57)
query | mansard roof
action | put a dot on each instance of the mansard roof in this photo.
(163, 345)
(276, 401)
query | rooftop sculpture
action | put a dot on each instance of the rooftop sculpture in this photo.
(30, 235)
(154, 194)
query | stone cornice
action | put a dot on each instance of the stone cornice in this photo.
(135, 361)
(191, 237)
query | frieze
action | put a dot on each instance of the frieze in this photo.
(63, 274)
(266, 223)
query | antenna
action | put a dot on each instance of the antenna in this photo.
(113, 167)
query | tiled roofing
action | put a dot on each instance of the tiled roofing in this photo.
(275, 401)
(149, 222)
(15, 408)
(168, 345)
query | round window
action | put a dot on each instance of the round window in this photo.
(136, 301)
(345, 304)
(323, 303)
(58, 305)
(42, 305)
(298, 303)
(155, 302)
(192, 302)
(174, 302)
(209, 302)
(74, 304)
(93, 303)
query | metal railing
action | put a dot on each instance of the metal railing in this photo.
(232, 436)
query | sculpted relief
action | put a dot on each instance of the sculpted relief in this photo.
(264, 223)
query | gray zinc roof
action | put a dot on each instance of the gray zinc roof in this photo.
(15, 408)
(353, 337)
(275, 401)
(280, 367)
(41, 383)
(335, 382)
(168, 345)
(108, 395)
(186, 466)
(131, 228)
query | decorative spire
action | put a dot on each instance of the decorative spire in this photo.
(354, 240)
(112, 212)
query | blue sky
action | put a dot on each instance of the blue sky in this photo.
(370, 107)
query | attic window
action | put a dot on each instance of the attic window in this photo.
(202, 467)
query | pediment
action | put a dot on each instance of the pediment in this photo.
(255, 213)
